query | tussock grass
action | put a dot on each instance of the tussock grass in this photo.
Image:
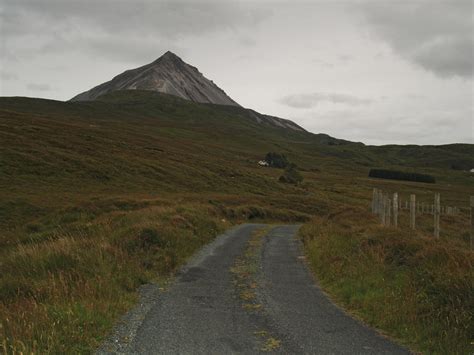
(417, 289)
(62, 295)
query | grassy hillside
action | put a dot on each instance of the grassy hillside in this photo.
(99, 197)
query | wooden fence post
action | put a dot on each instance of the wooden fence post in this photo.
(412, 211)
(374, 201)
(437, 210)
(472, 221)
(388, 217)
(395, 209)
(372, 205)
(384, 209)
(380, 208)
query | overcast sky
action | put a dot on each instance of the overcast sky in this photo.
(375, 71)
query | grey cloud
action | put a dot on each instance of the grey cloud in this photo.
(436, 35)
(312, 100)
(248, 41)
(122, 49)
(8, 76)
(341, 60)
(447, 57)
(38, 87)
(394, 128)
(81, 24)
(346, 58)
(323, 63)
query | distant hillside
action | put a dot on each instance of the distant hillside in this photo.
(129, 98)
(232, 126)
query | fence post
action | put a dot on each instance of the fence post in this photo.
(384, 209)
(388, 218)
(412, 211)
(395, 209)
(437, 210)
(472, 221)
(374, 200)
(380, 208)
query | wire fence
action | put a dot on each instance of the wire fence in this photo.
(388, 207)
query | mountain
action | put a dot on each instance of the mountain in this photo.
(169, 74)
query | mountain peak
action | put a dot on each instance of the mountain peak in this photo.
(168, 74)
(169, 56)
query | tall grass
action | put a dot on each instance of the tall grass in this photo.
(63, 294)
(413, 287)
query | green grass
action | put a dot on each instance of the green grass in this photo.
(97, 198)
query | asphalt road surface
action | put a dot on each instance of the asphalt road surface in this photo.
(201, 313)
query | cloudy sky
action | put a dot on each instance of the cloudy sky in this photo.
(374, 71)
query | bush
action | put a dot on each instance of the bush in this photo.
(400, 175)
(291, 175)
(461, 165)
(276, 160)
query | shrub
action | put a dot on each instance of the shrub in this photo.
(291, 175)
(276, 160)
(400, 175)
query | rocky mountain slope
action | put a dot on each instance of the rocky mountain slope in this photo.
(168, 74)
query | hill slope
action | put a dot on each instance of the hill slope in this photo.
(138, 139)
(99, 197)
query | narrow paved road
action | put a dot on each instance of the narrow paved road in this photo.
(201, 312)
(299, 307)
